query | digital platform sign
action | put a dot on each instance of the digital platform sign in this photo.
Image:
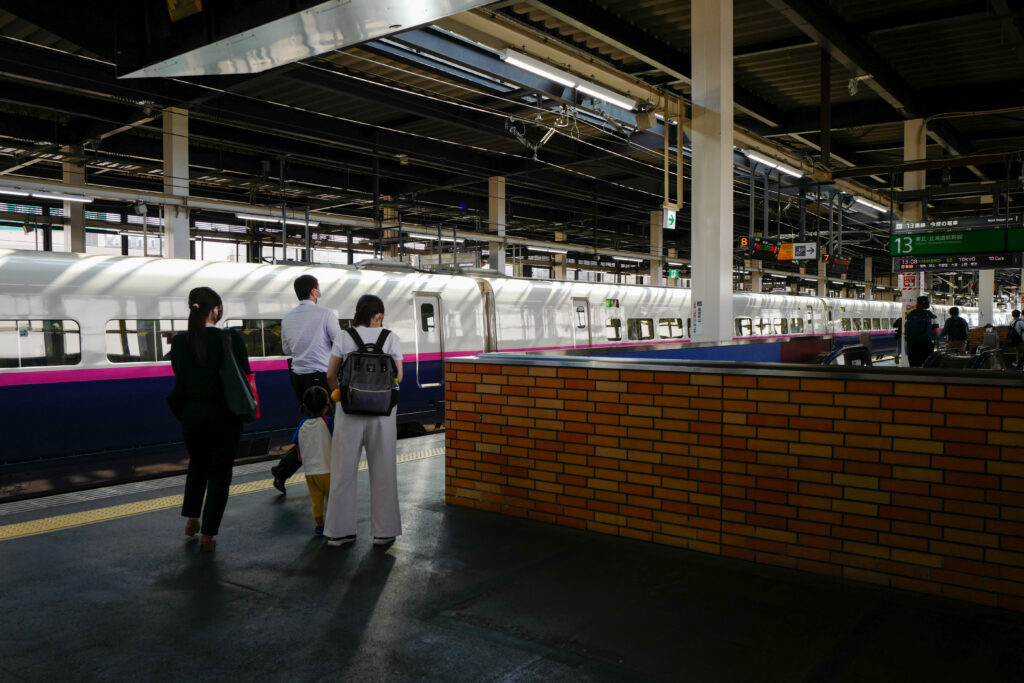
(904, 264)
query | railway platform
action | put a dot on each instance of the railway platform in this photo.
(102, 585)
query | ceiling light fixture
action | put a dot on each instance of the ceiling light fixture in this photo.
(16, 193)
(62, 197)
(871, 205)
(273, 219)
(539, 68)
(771, 163)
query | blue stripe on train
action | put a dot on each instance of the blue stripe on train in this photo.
(45, 421)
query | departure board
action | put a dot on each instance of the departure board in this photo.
(904, 264)
(951, 242)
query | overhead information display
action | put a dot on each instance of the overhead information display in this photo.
(759, 248)
(952, 242)
(956, 262)
(956, 224)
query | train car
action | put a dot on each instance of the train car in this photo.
(84, 339)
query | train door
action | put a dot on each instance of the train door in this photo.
(580, 323)
(429, 340)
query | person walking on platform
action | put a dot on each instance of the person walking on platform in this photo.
(378, 433)
(307, 334)
(1015, 338)
(313, 438)
(955, 330)
(212, 433)
(920, 331)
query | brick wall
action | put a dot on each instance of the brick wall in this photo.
(915, 484)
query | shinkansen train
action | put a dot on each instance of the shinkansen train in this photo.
(84, 338)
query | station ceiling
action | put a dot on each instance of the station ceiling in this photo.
(417, 121)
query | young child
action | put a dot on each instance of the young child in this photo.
(313, 438)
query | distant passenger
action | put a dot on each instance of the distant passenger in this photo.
(1015, 338)
(955, 331)
(919, 332)
(313, 438)
(377, 433)
(307, 334)
(211, 432)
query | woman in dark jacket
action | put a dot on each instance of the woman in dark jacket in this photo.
(211, 432)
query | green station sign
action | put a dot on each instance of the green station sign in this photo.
(953, 242)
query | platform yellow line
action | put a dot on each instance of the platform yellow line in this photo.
(59, 522)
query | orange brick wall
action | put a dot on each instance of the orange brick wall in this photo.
(916, 485)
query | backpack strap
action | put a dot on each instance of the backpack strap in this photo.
(356, 338)
(380, 340)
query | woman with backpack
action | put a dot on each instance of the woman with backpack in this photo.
(353, 430)
(919, 332)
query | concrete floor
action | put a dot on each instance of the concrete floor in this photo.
(462, 596)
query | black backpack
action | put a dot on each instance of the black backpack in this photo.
(368, 378)
(1013, 335)
(918, 327)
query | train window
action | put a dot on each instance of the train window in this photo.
(581, 317)
(137, 341)
(780, 326)
(866, 324)
(611, 303)
(856, 323)
(764, 326)
(796, 325)
(640, 328)
(744, 327)
(34, 343)
(845, 325)
(427, 322)
(614, 329)
(670, 328)
(261, 337)
(876, 324)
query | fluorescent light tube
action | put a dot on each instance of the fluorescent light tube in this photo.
(606, 95)
(771, 163)
(273, 219)
(62, 197)
(16, 193)
(871, 205)
(550, 251)
(627, 260)
(538, 68)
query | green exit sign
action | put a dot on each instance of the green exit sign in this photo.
(673, 273)
(967, 242)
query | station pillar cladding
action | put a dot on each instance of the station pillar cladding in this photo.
(496, 222)
(712, 126)
(74, 212)
(176, 223)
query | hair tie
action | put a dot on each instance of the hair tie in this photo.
(195, 306)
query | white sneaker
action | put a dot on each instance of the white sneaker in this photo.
(383, 540)
(341, 540)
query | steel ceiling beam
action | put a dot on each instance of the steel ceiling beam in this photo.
(612, 29)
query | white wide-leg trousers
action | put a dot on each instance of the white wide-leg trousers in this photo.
(378, 434)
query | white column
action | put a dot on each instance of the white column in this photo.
(176, 229)
(986, 304)
(712, 126)
(657, 244)
(558, 267)
(914, 147)
(74, 212)
(496, 221)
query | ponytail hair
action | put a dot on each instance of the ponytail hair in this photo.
(367, 307)
(201, 301)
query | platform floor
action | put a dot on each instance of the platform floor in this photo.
(462, 596)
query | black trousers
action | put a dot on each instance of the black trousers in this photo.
(918, 352)
(290, 463)
(211, 449)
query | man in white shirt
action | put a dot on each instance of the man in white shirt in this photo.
(307, 335)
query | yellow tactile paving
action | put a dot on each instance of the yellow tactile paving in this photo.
(47, 524)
